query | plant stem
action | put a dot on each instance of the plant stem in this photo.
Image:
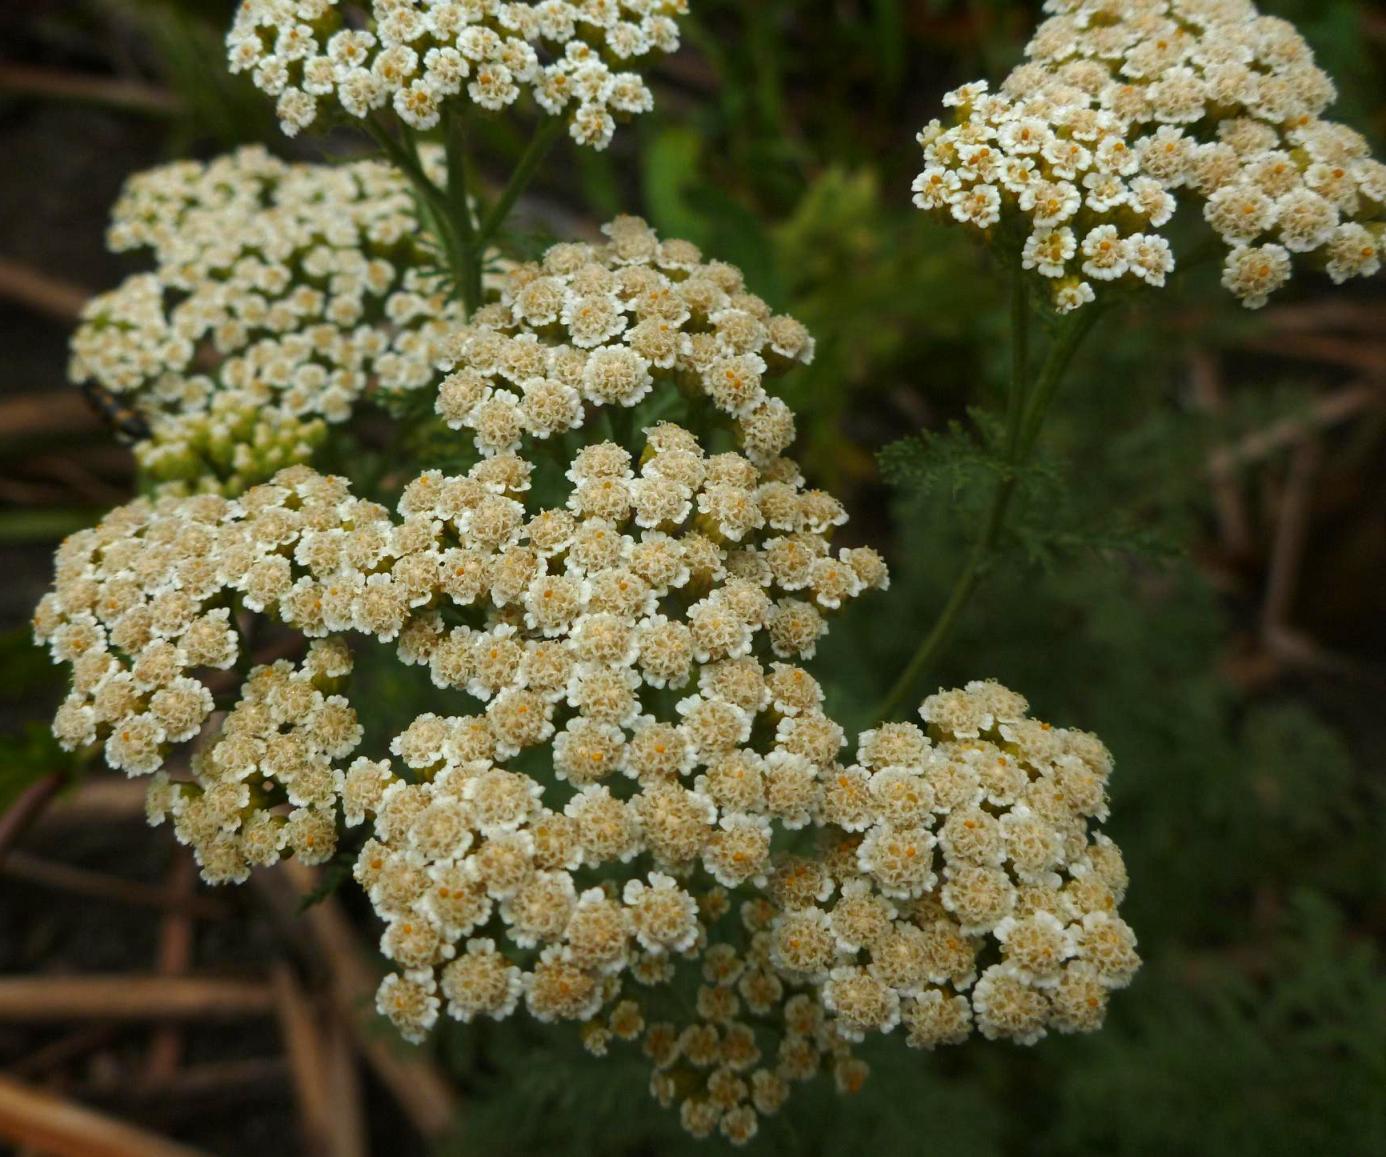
(1065, 345)
(437, 210)
(1026, 406)
(447, 212)
(461, 209)
(544, 137)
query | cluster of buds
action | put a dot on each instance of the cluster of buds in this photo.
(281, 294)
(1123, 111)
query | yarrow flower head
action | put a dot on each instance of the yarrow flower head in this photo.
(637, 783)
(575, 60)
(1126, 110)
(952, 880)
(592, 326)
(280, 294)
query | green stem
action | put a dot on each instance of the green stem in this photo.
(1066, 344)
(1026, 406)
(433, 201)
(1020, 363)
(461, 210)
(544, 137)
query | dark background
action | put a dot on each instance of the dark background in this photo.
(1200, 578)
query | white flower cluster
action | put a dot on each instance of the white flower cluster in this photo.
(280, 293)
(956, 887)
(266, 785)
(1126, 109)
(575, 59)
(592, 326)
(954, 882)
(641, 787)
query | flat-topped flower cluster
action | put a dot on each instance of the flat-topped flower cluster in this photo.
(644, 638)
(591, 326)
(411, 57)
(955, 885)
(636, 586)
(640, 816)
(1127, 109)
(280, 294)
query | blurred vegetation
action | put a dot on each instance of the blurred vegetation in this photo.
(1249, 805)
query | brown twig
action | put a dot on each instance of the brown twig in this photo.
(1325, 412)
(55, 1126)
(100, 886)
(28, 416)
(1292, 530)
(40, 292)
(427, 1098)
(1281, 639)
(114, 998)
(344, 1082)
(1323, 347)
(174, 959)
(63, 1050)
(75, 478)
(307, 1062)
(1228, 503)
(26, 809)
(58, 84)
(99, 800)
(1329, 314)
(193, 1085)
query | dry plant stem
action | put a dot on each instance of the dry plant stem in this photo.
(1324, 413)
(99, 800)
(27, 808)
(58, 84)
(1292, 532)
(348, 1120)
(59, 300)
(41, 415)
(307, 1062)
(61, 1128)
(62, 1051)
(421, 1091)
(44, 999)
(175, 958)
(193, 1086)
(1233, 521)
(1026, 406)
(47, 873)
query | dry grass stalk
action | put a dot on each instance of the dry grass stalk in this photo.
(174, 959)
(47, 295)
(114, 998)
(62, 1128)
(100, 886)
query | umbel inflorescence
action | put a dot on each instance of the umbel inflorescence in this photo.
(690, 825)
(1125, 110)
(627, 805)
(593, 326)
(412, 57)
(281, 294)
(640, 794)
